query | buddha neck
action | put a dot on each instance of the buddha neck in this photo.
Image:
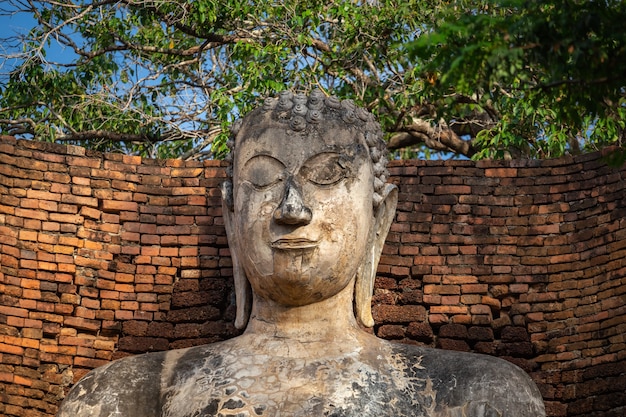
(330, 320)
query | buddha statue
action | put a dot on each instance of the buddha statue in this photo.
(307, 209)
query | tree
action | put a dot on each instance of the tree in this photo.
(530, 78)
(163, 78)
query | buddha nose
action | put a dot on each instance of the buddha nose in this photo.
(292, 210)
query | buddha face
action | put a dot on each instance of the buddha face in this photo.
(302, 211)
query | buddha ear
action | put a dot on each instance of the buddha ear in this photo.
(243, 292)
(364, 286)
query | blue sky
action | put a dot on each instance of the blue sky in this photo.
(19, 23)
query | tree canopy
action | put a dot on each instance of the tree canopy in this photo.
(163, 78)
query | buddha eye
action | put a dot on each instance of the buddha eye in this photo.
(262, 171)
(324, 169)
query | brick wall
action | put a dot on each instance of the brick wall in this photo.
(524, 260)
(104, 256)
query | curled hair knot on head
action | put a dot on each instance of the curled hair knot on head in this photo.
(300, 113)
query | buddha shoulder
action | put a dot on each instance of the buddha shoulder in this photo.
(471, 384)
(125, 387)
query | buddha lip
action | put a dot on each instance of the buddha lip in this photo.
(294, 243)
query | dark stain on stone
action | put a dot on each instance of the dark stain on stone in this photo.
(233, 404)
(210, 409)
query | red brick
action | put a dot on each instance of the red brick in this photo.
(20, 380)
(177, 191)
(188, 240)
(14, 311)
(442, 289)
(450, 299)
(452, 344)
(6, 377)
(57, 177)
(150, 239)
(114, 206)
(11, 349)
(42, 195)
(124, 288)
(79, 200)
(399, 314)
(449, 309)
(459, 279)
(480, 309)
(28, 235)
(89, 362)
(453, 189)
(90, 213)
(501, 172)
(82, 323)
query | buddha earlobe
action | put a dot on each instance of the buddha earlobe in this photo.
(364, 285)
(243, 292)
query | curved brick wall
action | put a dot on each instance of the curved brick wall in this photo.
(104, 256)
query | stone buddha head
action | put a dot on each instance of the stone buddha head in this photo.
(306, 206)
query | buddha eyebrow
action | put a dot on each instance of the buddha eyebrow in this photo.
(327, 152)
(264, 155)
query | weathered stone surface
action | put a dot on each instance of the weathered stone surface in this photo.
(237, 378)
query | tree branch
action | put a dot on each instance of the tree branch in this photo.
(24, 126)
(210, 137)
(439, 138)
(602, 80)
(357, 72)
(102, 134)
(186, 29)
